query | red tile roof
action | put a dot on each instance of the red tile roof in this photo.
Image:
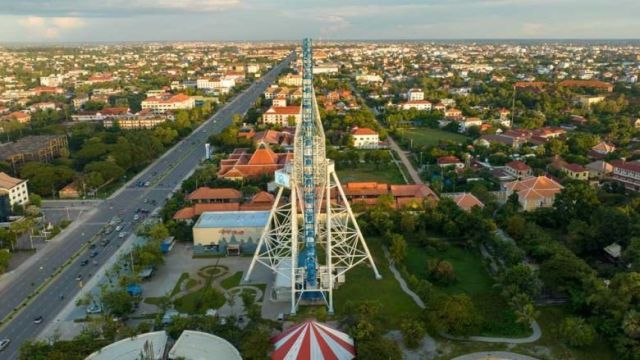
(363, 131)
(207, 193)
(518, 165)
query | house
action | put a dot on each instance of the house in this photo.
(465, 201)
(207, 195)
(592, 84)
(241, 164)
(259, 202)
(71, 191)
(514, 142)
(365, 138)
(19, 116)
(273, 137)
(367, 193)
(280, 101)
(598, 169)
(282, 115)
(533, 192)
(466, 123)
(573, 171)
(15, 188)
(452, 113)
(626, 173)
(450, 161)
(161, 104)
(586, 101)
(422, 105)
(518, 169)
(291, 80)
(601, 150)
(415, 95)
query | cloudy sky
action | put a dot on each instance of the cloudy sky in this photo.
(135, 20)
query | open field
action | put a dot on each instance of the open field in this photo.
(429, 137)
(367, 172)
(361, 285)
(471, 279)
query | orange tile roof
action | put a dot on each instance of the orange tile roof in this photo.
(518, 165)
(412, 190)
(184, 213)
(467, 201)
(207, 193)
(363, 131)
(535, 187)
(284, 110)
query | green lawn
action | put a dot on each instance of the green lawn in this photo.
(232, 281)
(367, 172)
(199, 301)
(429, 137)
(471, 279)
(176, 288)
(361, 285)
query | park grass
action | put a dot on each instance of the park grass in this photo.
(387, 173)
(176, 289)
(361, 286)
(232, 281)
(471, 279)
(430, 137)
(199, 301)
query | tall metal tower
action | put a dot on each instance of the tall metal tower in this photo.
(315, 255)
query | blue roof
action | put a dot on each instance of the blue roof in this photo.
(231, 219)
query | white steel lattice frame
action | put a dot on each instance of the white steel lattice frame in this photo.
(339, 233)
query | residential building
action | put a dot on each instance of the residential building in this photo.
(291, 80)
(518, 169)
(465, 201)
(415, 95)
(168, 102)
(367, 193)
(33, 148)
(422, 105)
(365, 138)
(282, 115)
(450, 161)
(599, 169)
(533, 192)
(626, 173)
(15, 188)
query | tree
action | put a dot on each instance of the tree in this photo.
(454, 314)
(158, 232)
(35, 199)
(519, 279)
(5, 256)
(108, 170)
(576, 332)
(631, 324)
(117, 302)
(412, 332)
(524, 309)
(631, 255)
(441, 270)
(256, 344)
(398, 249)
(379, 348)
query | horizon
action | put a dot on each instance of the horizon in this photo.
(62, 21)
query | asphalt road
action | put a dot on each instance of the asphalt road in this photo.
(164, 175)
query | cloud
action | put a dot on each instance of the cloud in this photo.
(114, 8)
(50, 28)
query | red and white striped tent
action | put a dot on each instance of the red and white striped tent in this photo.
(313, 341)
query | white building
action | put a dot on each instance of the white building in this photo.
(291, 80)
(168, 102)
(421, 105)
(51, 80)
(222, 85)
(365, 138)
(15, 188)
(415, 94)
(282, 115)
(325, 69)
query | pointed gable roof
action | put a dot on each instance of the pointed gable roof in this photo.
(263, 156)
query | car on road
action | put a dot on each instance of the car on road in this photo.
(38, 320)
(4, 343)
(79, 277)
(136, 217)
(119, 227)
(104, 242)
(147, 184)
(93, 254)
(84, 262)
(122, 234)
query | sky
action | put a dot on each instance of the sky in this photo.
(218, 20)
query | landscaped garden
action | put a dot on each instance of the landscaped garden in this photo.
(384, 173)
(425, 136)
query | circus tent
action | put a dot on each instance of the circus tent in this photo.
(313, 341)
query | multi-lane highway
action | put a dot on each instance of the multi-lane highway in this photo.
(163, 175)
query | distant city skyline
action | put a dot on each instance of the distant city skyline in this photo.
(220, 20)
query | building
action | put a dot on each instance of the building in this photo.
(598, 169)
(207, 195)
(70, 191)
(15, 188)
(626, 173)
(241, 164)
(415, 95)
(518, 169)
(167, 102)
(533, 192)
(51, 80)
(310, 337)
(135, 122)
(325, 69)
(291, 80)
(365, 138)
(592, 84)
(465, 201)
(466, 123)
(450, 161)
(573, 171)
(33, 148)
(601, 150)
(367, 193)
(422, 105)
(283, 115)
(228, 232)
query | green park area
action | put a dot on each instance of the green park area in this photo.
(383, 173)
(425, 136)
(362, 286)
(471, 278)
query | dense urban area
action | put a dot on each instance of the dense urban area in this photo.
(495, 183)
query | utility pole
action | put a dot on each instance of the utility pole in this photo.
(513, 105)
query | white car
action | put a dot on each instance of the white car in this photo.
(122, 235)
(119, 227)
(4, 343)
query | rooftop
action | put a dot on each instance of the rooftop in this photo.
(232, 219)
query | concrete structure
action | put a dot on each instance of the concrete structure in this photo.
(365, 138)
(168, 102)
(151, 345)
(228, 232)
(16, 188)
(33, 148)
(533, 192)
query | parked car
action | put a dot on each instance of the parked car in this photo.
(4, 343)
(122, 234)
(84, 262)
(38, 320)
(93, 254)
(94, 309)
(79, 277)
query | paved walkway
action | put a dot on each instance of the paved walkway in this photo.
(403, 284)
(494, 355)
(415, 176)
